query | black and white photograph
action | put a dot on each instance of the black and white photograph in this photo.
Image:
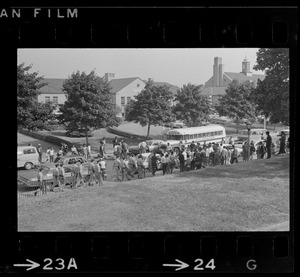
(153, 139)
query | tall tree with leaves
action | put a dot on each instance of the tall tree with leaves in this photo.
(192, 107)
(272, 94)
(151, 107)
(88, 105)
(237, 102)
(31, 114)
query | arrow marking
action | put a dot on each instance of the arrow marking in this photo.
(31, 264)
(180, 266)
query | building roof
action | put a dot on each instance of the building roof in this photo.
(118, 84)
(241, 77)
(213, 91)
(54, 86)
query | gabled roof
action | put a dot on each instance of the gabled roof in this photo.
(118, 84)
(242, 77)
(54, 86)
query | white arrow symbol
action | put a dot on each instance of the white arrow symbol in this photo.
(182, 265)
(32, 264)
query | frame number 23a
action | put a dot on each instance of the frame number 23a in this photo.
(59, 264)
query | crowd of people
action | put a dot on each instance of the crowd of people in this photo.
(126, 165)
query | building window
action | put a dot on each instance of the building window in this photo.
(47, 99)
(128, 99)
(55, 99)
(122, 101)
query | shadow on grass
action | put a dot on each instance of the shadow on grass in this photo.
(267, 168)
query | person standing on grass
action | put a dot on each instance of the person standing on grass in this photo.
(41, 181)
(117, 168)
(74, 170)
(132, 165)
(51, 155)
(56, 181)
(188, 162)
(74, 150)
(61, 173)
(140, 166)
(181, 161)
(124, 150)
(167, 159)
(84, 151)
(172, 161)
(163, 163)
(115, 142)
(40, 152)
(48, 154)
(91, 172)
(282, 144)
(98, 174)
(224, 155)
(262, 150)
(101, 150)
(234, 155)
(252, 150)
(80, 178)
(153, 163)
(142, 147)
(268, 144)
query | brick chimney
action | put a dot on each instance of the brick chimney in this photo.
(221, 73)
(216, 79)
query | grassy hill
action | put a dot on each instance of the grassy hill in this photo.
(247, 196)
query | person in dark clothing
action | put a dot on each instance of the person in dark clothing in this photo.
(153, 163)
(115, 142)
(268, 144)
(181, 161)
(282, 144)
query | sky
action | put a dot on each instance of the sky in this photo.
(175, 66)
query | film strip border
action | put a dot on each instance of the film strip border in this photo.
(123, 252)
(150, 27)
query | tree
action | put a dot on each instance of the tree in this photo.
(272, 94)
(150, 107)
(237, 103)
(191, 107)
(31, 114)
(88, 105)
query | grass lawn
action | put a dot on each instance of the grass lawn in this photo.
(248, 196)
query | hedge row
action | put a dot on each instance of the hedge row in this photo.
(125, 134)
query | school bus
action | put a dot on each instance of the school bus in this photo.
(209, 133)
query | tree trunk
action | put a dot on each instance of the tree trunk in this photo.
(237, 124)
(86, 137)
(148, 131)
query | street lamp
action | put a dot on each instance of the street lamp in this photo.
(248, 126)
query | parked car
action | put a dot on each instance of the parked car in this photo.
(27, 157)
(154, 145)
(69, 160)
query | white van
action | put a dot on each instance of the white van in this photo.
(27, 156)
